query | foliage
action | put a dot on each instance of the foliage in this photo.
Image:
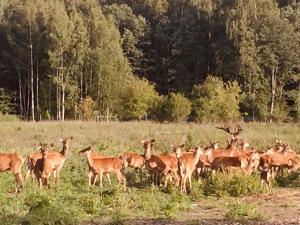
(75, 49)
(6, 105)
(242, 212)
(175, 107)
(222, 185)
(216, 101)
(137, 99)
(86, 108)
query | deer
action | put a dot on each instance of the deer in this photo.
(96, 155)
(54, 161)
(133, 160)
(100, 166)
(187, 164)
(33, 158)
(158, 165)
(12, 162)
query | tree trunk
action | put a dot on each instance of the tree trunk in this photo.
(81, 86)
(62, 85)
(37, 90)
(31, 73)
(58, 115)
(273, 90)
(20, 94)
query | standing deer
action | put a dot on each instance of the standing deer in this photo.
(100, 166)
(187, 164)
(12, 162)
(54, 161)
(158, 165)
(133, 160)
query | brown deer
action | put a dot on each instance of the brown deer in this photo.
(133, 160)
(54, 161)
(12, 162)
(187, 164)
(100, 166)
(33, 158)
(159, 165)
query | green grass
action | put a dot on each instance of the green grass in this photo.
(73, 202)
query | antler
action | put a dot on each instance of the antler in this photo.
(227, 127)
(238, 130)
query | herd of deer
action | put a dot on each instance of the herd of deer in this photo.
(175, 168)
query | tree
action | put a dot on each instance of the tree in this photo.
(175, 107)
(216, 101)
(137, 99)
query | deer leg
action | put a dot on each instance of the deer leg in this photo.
(140, 174)
(101, 178)
(190, 181)
(90, 174)
(121, 178)
(95, 179)
(108, 178)
(29, 172)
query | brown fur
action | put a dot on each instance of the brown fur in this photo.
(12, 162)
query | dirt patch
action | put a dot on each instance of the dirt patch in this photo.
(282, 207)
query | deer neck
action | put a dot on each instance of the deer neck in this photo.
(89, 158)
(147, 154)
(196, 157)
(65, 150)
(209, 156)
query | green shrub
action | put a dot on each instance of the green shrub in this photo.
(51, 209)
(220, 185)
(8, 117)
(216, 101)
(176, 107)
(240, 211)
(137, 99)
(6, 105)
(86, 108)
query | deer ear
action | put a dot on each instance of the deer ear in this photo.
(173, 145)
(71, 138)
(143, 142)
(181, 146)
(61, 140)
(152, 140)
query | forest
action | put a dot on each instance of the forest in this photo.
(165, 60)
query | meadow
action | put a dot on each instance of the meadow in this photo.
(72, 201)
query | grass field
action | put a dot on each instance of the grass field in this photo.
(73, 202)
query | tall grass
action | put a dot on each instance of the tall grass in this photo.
(72, 201)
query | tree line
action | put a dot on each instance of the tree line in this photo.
(198, 60)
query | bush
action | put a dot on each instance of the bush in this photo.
(86, 108)
(6, 105)
(8, 117)
(221, 185)
(216, 101)
(175, 107)
(239, 211)
(137, 99)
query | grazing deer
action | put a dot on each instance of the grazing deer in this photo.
(133, 160)
(12, 162)
(54, 161)
(187, 164)
(100, 166)
(158, 165)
